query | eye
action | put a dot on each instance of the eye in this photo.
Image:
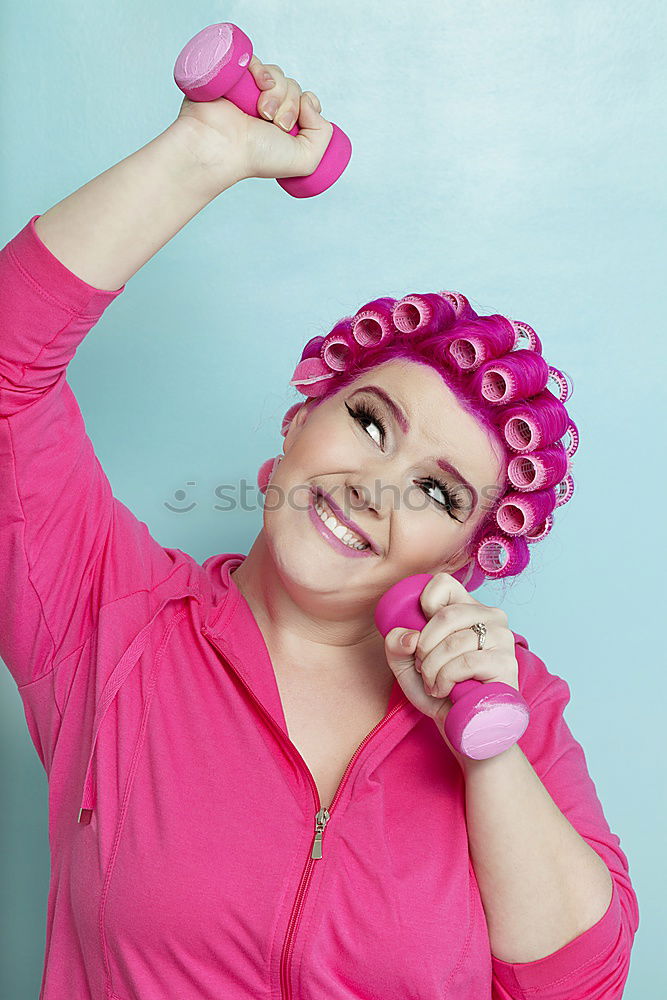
(450, 503)
(366, 414)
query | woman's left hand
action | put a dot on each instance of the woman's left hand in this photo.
(446, 650)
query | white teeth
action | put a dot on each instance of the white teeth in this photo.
(339, 530)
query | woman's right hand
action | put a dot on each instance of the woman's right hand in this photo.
(219, 131)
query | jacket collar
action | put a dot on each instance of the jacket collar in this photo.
(235, 631)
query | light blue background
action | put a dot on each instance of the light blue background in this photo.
(513, 151)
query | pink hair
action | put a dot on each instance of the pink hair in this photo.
(495, 368)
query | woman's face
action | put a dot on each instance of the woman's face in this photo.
(384, 479)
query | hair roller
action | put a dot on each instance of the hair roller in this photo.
(564, 490)
(312, 348)
(498, 555)
(310, 376)
(516, 376)
(422, 314)
(541, 531)
(471, 575)
(571, 439)
(289, 417)
(533, 423)
(494, 366)
(372, 324)
(519, 513)
(265, 472)
(435, 348)
(459, 304)
(560, 384)
(337, 351)
(537, 470)
(526, 338)
(479, 340)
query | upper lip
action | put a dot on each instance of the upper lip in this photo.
(338, 514)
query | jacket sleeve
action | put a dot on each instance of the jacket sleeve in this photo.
(594, 965)
(67, 546)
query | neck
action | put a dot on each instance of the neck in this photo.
(325, 633)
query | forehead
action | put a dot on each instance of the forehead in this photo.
(438, 421)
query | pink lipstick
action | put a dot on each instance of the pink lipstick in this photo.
(329, 535)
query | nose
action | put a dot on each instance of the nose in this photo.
(359, 498)
(366, 497)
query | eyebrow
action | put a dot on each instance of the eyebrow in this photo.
(402, 421)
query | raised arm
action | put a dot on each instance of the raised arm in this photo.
(108, 229)
(68, 547)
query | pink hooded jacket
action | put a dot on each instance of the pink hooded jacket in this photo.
(182, 819)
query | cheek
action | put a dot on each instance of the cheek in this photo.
(324, 451)
(312, 458)
(424, 537)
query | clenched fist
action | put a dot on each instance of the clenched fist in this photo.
(220, 134)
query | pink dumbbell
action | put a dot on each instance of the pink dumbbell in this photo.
(214, 64)
(485, 718)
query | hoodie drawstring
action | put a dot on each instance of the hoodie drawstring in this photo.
(118, 676)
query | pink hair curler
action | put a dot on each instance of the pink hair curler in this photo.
(485, 718)
(214, 64)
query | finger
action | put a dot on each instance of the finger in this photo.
(399, 657)
(401, 665)
(261, 74)
(271, 104)
(452, 618)
(470, 664)
(309, 112)
(274, 93)
(448, 655)
(444, 589)
(313, 99)
(288, 110)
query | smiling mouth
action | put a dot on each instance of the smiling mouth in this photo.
(340, 531)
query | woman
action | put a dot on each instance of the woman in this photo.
(250, 790)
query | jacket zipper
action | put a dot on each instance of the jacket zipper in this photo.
(321, 819)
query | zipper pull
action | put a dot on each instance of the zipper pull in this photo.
(321, 820)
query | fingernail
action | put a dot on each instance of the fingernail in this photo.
(268, 80)
(270, 109)
(285, 123)
(406, 639)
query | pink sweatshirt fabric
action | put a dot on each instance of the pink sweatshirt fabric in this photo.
(152, 703)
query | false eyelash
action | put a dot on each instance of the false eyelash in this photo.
(366, 411)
